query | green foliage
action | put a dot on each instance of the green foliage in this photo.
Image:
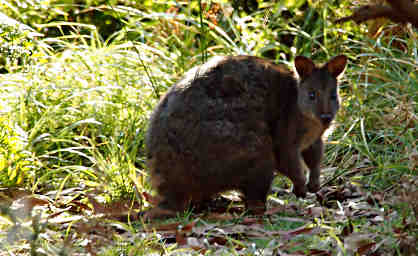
(84, 109)
(143, 246)
(15, 160)
(87, 104)
(75, 103)
(66, 14)
(378, 120)
(16, 48)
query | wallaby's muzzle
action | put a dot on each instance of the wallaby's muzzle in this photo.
(326, 119)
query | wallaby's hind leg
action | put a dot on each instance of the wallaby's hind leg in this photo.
(172, 198)
(258, 184)
(171, 204)
(312, 157)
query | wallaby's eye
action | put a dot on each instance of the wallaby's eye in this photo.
(312, 95)
(333, 95)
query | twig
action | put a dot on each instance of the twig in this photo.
(400, 11)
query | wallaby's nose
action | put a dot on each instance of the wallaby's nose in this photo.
(326, 118)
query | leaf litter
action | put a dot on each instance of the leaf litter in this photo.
(338, 219)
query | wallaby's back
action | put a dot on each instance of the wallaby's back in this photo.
(230, 89)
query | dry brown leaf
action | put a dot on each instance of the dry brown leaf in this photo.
(189, 227)
(317, 252)
(413, 160)
(153, 200)
(301, 230)
(315, 211)
(163, 227)
(181, 238)
(80, 205)
(194, 244)
(408, 245)
(219, 216)
(81, 227)
(355, 241)
(251, 220)
(366, 248)
(22, 207)
(115, 210)
(278, 209)
(171, 227)
(59, 212)
(8, 195)
(218, 240)
(184, 241)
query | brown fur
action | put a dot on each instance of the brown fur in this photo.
(230, 123)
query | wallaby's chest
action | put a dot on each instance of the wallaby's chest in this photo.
(308, 132)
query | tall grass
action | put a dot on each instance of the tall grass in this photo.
(377, 124)
(80, 114)
(76, 117)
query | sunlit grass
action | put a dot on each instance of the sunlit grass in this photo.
(76, 117)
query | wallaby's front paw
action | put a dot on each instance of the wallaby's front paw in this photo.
(300, 191)
(313, 186)
(256, 207)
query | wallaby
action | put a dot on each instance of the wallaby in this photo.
(232, 122)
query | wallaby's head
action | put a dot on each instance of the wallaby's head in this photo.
(317, 90)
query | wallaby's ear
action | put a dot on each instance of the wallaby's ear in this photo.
(304, 66)
(336, 65)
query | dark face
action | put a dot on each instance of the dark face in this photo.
(317, 91)
(318, 96)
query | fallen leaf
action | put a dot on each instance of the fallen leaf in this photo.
(181, 238)
(195, 244)
(164, 227)
(301, 230)
(357, 240)
(22, 207)
(220, 217)
(377, 219)
(153, 200)
(189, 227)
(413, 159)
(78, 207)
(218, 240)
(8, 195)
(315, 211)
(408, 246)
(278, 209)
(118, 210)
(319, 252)
(250, 221)
(366, 248)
